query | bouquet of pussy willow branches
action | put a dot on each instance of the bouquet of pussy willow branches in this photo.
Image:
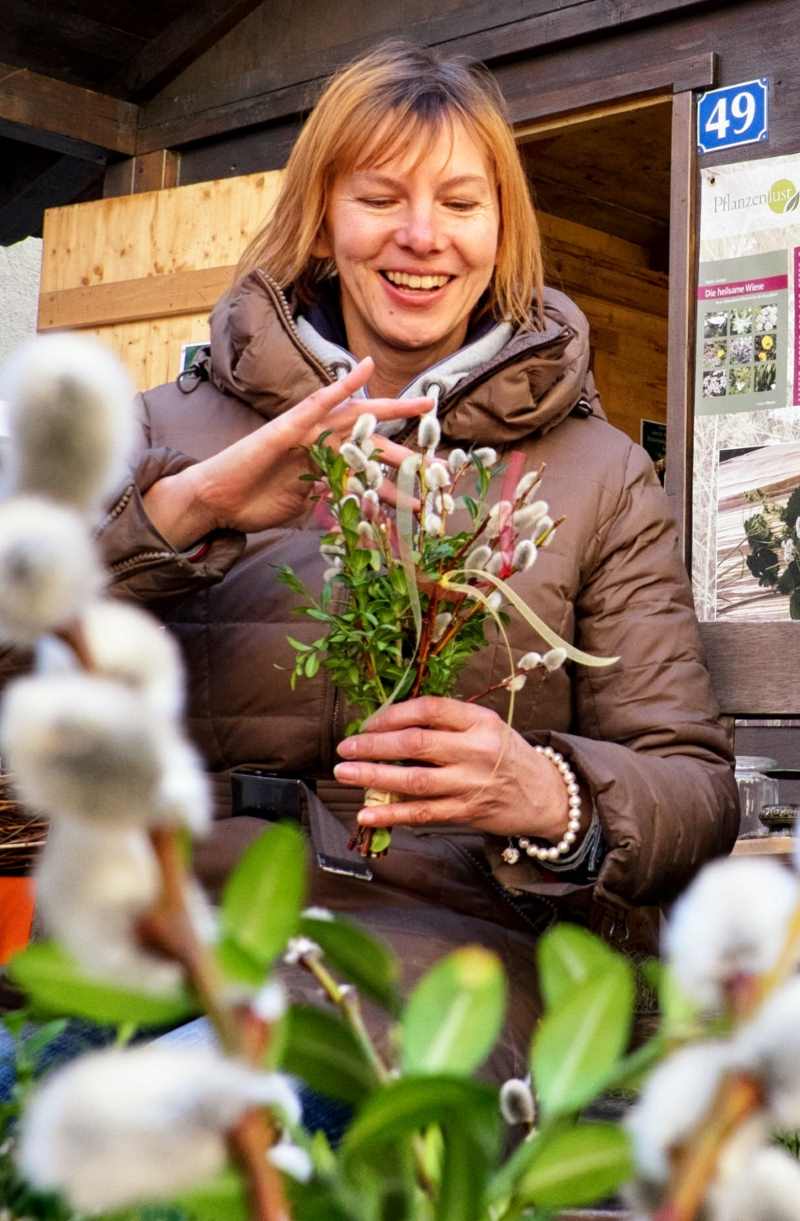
(422, 579)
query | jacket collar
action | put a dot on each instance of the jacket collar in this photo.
(501, 386)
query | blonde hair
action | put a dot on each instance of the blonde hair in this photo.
(367, 114)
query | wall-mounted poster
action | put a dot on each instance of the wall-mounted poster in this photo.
(747, 371)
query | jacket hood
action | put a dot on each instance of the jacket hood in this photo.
(528, 382)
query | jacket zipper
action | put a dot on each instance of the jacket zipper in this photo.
(278, 296)
(483, 865)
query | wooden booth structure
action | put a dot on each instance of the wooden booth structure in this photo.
(146, 146)
(171, 122)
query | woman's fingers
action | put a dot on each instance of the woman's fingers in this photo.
(314, 409)
(424, 782)
(343, 416)
(427, 745)
(413, 813)
(431, 711)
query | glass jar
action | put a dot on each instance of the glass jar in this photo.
(755, 791)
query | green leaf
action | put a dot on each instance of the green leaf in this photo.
(473, 508)
(465, 1172)
(679, 1014)
(576, 1045)
(321, 1050)
(576, 1166)
(412, 1104)
(568, 955)
(222, 1199)
(237, 964)
(381, 839)
(36, 1043)
(262, 899)
(362, 959)
(349, 515)
(55, 984)
(454, 1014)
(290, 578)
(298, 644)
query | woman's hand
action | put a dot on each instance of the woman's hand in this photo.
(255, 483)
(484, 774)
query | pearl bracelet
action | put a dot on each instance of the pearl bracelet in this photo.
(516, 845)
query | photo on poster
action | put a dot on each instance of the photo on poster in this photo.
(758, 546)
(653, 439)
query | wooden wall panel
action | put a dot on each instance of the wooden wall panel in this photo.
(153, 254)
(605, 276)
(151, 350)
(154, 233)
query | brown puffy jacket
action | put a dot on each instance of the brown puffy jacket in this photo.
(642, 735)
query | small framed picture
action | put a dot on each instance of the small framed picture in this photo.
(653, 439)
(188, 353)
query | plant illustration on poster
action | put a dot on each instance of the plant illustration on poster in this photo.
(758, 548)
(747, 384)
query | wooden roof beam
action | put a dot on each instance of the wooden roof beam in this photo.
(262, 97)
(40, 110)
(182, 42)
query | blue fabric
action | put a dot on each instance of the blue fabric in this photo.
(319, 1112)
(78, 1037)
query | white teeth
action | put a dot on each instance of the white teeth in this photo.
(403, 280)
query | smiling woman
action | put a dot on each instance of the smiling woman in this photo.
(402, 258)
(415, 247)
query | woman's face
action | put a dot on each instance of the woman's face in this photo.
(414, 241)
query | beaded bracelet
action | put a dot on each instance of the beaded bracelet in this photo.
(520, 844)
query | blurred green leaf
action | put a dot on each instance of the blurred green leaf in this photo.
(263, 897)
(325, 1054)
(577, 1044)
(468, 1116)
(568, 955)
(55, 984)
(362, 959)
(222, 1199)
(465, 1171)
(35, 1043)
(576, 1166)
(454, 1014)
(315, 1201)
(679, 1014)
(237, 964)
(413, 1103)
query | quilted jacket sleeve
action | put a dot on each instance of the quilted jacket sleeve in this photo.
(142, 564)
(648, 745)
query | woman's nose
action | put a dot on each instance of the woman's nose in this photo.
(420, 233)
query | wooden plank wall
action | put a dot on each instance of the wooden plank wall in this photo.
(607, 276)
(141, 272)
(145, 269)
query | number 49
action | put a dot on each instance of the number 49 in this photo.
(742, 111)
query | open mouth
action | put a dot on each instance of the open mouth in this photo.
(420, 284)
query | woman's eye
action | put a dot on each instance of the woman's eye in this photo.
(462, 205)
(377, 201)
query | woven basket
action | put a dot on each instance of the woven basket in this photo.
(21, 837)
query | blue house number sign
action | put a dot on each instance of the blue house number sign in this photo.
(731, 116)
